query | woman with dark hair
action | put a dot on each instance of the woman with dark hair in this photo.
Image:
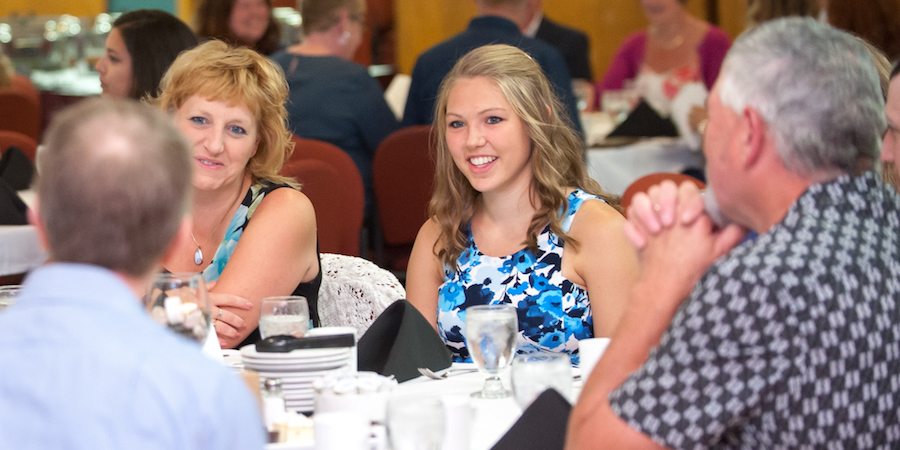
(246, 23)
(139, 49)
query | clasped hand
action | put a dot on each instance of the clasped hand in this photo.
(676, 240)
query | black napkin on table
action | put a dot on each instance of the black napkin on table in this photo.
(399, 342)
(12, 209)
(16, 169)
(541, 427)
(644, 121)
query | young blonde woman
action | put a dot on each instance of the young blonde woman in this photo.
(515, 218)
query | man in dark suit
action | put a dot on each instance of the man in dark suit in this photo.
(572, 43)
(498, 22)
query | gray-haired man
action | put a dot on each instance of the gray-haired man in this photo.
(789, 340)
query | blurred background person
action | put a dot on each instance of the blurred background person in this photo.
(574, 46)
(247, 23)
(890, 146)
(759, 11)
(229, 102)
(675, 51)
(139, 49)
(497, 22)
(515, 218)
(877, 21)
(7, 71)
(332, 98)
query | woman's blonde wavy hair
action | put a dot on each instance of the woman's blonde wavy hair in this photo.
(556, 151)
(237, 76)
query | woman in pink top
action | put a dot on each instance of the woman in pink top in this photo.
(675, 49)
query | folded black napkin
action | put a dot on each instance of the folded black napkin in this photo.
(644, 121)
(541, 427)
(399, 342)
(16, 169)
(12, 209)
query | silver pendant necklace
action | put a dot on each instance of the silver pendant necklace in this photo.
(198, 254)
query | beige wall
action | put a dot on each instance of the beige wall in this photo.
(78, 8)
(423, 23)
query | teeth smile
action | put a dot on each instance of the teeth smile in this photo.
(482, 160)
(207, 163)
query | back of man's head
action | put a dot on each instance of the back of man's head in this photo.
(816, 88)
(114, 184)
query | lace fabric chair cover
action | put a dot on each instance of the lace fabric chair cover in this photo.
(355, 291)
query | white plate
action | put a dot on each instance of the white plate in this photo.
(300, 377)
(249, 351)
(296, 367)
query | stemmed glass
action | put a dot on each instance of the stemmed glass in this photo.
(491, 339)
(8, 295)
(180, 301)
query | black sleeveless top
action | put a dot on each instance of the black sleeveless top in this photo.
(236, 227)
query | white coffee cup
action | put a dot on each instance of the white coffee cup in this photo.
(341, 430)
(458, 421)
(590, 351)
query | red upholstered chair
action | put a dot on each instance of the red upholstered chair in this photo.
(333, 184)
(20, 108)
(403, 175)
(644, 183)
(23, 84)
(16, 139)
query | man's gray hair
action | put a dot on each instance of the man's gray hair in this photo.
(114, 185)
(816, 88)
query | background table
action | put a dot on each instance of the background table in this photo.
(617, 167)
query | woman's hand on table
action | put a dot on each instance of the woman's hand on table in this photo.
(226, 322)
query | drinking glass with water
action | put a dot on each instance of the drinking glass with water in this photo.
(491, 332)
(287, 315)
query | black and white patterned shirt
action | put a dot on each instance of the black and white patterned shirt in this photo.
(792, 340)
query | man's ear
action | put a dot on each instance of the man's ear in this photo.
(35, 219)
(756, 135)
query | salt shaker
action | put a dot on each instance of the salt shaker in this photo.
(273, 407)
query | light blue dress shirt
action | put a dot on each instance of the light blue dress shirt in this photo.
(82, 366)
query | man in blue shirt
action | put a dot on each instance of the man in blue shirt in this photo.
(82, 365)
(498, 22)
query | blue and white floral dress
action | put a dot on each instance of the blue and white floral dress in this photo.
(554, 313)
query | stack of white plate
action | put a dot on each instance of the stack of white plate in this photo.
(297, 370)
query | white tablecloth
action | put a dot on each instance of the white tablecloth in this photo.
(617, 167)
(492, 418)
(20, 249)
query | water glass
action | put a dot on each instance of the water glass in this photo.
(415, 423)
(180, 301)
(287, 315)
(8, 295)
(534, 373)
(491, 332)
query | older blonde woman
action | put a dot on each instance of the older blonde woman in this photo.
(515, 219)
(254, 233)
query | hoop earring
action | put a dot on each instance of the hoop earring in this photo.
(345, 38)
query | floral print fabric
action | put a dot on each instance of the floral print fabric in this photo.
(554, 313)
